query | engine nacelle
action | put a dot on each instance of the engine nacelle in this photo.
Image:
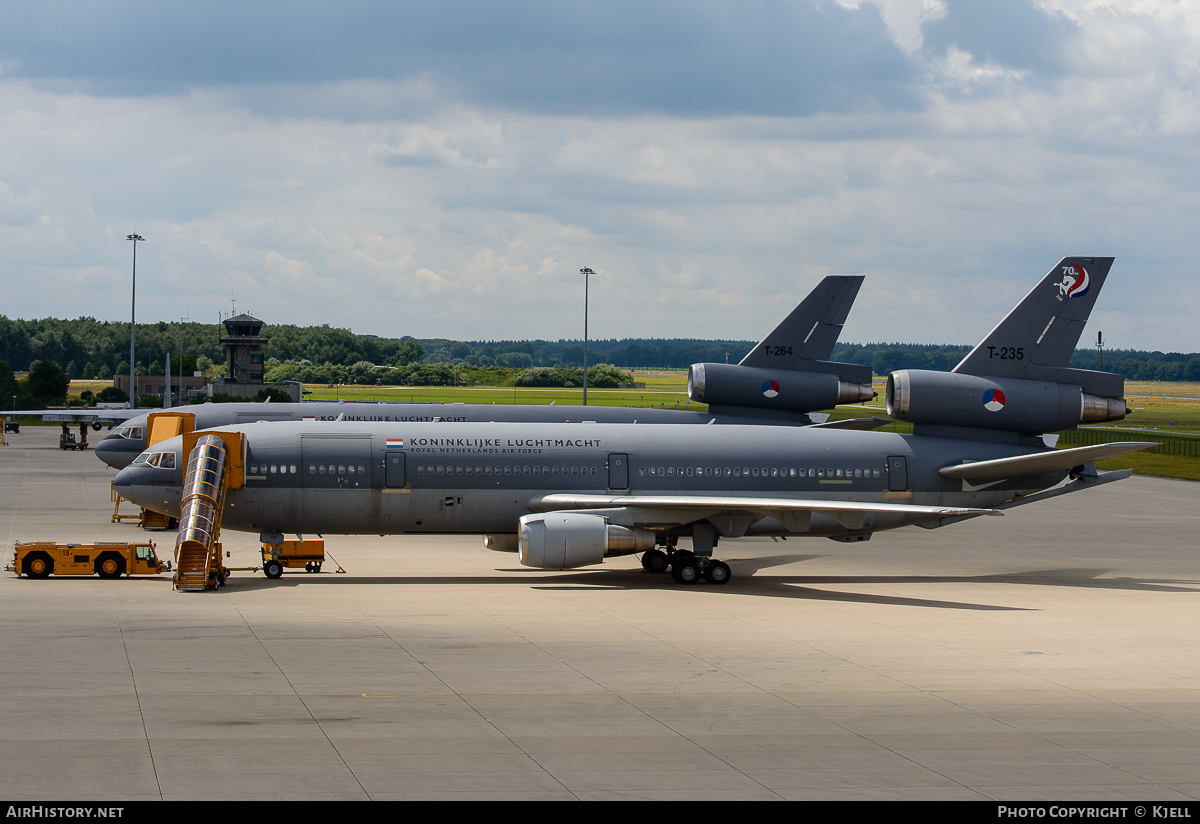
(725, 384)
(954, 399)
(565, 540)
(501, 543)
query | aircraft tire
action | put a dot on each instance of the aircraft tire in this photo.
(718, 573)
(655, 560)
(678, 558)
(273, 569)
(686, 574)
(37, 565)
(110, 566)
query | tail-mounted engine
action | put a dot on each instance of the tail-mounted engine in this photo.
(1035, 407)
(565, 540)
(725, 384)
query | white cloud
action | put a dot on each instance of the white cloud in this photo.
(904, 18)
(958, 67)
(397, 208)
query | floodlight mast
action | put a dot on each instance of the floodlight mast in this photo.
(132, 322)
(587, 273)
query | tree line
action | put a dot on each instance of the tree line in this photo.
(94, 349)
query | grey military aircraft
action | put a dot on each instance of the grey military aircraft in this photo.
(566, 495)
(784, 379)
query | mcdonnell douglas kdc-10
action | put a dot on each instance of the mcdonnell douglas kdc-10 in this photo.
(781, 380)
(568, 495)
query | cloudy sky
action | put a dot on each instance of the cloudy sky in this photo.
(445, 169)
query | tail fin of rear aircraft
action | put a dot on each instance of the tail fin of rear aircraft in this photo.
(1036, 340)
(811, 330)
(787, 375)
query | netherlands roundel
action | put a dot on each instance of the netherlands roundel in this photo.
(993, 400)
(770, 388)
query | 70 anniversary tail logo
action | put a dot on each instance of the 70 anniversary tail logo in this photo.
(1075, 282)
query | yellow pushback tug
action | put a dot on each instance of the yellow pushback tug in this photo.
(41, 559)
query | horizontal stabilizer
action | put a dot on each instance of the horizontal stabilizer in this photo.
(1058, 460)
(709, 504)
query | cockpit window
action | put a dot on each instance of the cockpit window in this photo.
(133, 433)
(162, 460)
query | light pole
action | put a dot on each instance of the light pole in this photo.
(132, 320)
(181, 322)
(587, 273)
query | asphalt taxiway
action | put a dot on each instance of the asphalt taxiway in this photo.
(1050, 654)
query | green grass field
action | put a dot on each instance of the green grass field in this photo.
(664, 390)
(1164, 466)
(1167, 407)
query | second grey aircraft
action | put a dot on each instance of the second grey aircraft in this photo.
(784, 380)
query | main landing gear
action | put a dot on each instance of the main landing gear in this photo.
(686, 567)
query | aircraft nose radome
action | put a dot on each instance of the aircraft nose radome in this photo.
(106, 452)
(125, 483)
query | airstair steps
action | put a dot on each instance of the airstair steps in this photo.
(197, 553)
(191, 571)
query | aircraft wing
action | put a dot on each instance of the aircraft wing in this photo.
(679, 509)
(1056, 460)
(78, 415)
(857, 424)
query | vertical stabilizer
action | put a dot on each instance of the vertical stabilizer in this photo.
(1039, 336)
(811, 330)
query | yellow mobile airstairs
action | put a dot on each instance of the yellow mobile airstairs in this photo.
(215, 463)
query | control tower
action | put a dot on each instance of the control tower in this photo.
(244, 344)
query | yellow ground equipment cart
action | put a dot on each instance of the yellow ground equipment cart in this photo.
(41, 559)
(161, 426)
(293, 555)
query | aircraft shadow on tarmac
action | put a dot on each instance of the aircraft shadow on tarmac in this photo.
(749, 579)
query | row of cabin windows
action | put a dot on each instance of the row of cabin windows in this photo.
(758, 472)
(336, 469)
(263, 469)
(313, 469)
(706, 472)
(422, 469)
(166, 460)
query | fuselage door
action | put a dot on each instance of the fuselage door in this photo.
(897, 473)
(335, 462)
(394, 470)
(618, 470)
